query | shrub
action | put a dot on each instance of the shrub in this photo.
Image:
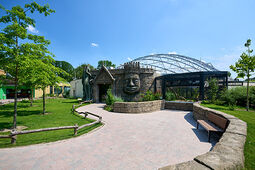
(148, 96)
(170, 96)
(66, 94)
(109, 108)
(237, 96)
(213, 89)
(157, 96)
(111, 99)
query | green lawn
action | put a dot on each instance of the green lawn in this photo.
(58, 114)
(249, 118)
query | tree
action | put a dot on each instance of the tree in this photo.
(106, 63)
(19, 50)
(46, 75)
(79, 70)
(67, 67)
(213, 89)
(244, 67)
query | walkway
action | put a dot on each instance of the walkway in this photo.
(126, 141)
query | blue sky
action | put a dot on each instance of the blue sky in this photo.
(86, 31)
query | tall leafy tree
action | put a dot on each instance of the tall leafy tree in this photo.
(106, 63)
(18, 48)
(244, 67)
(46, 75)
(79, 70)
(67, 67)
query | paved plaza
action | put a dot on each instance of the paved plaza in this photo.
(126, 141)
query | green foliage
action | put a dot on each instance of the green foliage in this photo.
(111, 99)
(67, 67)
(157, 96)
(66, 94)
(78, 71)
(22, 52)
(106, 63)
(170, 96)
(108, 108)
(244, 67)
(237, 96)
(59, 115)
(213, 89)
(148, 96)
(195, 94)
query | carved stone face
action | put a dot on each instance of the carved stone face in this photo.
(131, 83)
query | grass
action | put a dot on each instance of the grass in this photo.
(59, 114)
(249, 118)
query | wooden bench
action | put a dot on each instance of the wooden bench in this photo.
(215, 123)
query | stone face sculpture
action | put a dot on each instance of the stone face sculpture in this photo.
(131, 82)
(86, 82)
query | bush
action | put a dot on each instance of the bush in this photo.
(148, 96)
(157, 96)
(237, 96)
(213, 89)
(170, 96)
(109, 108)
(111, 99)
(66, 94)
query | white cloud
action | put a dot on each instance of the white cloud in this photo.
(129, 59)
(32, 29)
(229, 58)
(94, 45)
(172, 52)
(152, 53)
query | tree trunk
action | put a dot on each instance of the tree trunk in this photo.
(44, 100)
(31, 97)
(15, 98)
(247, 95)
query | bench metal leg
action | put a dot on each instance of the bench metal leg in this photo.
(209, 136)
(197, 125)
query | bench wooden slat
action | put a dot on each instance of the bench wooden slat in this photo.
(209, 126)
(217, 120)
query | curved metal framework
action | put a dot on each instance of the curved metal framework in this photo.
(174, 63)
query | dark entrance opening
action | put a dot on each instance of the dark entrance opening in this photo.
(103, 92)
(22, 93)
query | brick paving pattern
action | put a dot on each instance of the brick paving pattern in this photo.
(126, 141)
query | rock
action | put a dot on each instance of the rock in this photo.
(222, 158)
(237, 126)
(190, 165)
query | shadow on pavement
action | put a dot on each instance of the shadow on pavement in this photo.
(201, 133)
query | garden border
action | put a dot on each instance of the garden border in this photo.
(138, 107)
(228, 153)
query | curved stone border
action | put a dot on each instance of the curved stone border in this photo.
(179, 105)
(138, 107)
(227, 153)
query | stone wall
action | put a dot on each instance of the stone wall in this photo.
(178, 105)
(147, 76)
(138, 107)
(227, 153)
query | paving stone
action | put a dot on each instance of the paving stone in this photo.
(126, 141)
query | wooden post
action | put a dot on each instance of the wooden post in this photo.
(73, 108)
(13, 138)
(75, 129)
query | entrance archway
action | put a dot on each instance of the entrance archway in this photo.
(103, 92)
